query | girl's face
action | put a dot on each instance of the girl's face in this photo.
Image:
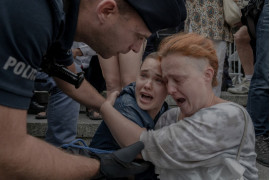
(186, 82)
(150, 87)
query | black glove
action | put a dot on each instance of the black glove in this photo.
(118, 163)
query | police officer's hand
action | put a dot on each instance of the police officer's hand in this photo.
(120, 163)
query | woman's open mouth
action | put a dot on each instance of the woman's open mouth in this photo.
(180, 101)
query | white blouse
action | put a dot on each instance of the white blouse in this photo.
(203, 146)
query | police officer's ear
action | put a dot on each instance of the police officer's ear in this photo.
(106, 9)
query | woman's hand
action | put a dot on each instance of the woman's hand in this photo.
(109, 101)
(112, 97)
(124, 131)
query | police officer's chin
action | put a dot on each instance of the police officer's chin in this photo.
(106, 55)
(126, 51)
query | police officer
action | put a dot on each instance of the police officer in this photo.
(31, 29)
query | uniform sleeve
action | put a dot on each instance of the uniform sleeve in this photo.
(198, 138)
(26, 33)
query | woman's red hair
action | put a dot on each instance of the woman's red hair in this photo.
(192, 45)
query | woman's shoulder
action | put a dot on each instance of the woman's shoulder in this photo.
(228, 106)
(168, 117)
(222, 112)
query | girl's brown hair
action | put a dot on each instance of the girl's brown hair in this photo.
(192, 45)
(153, 55)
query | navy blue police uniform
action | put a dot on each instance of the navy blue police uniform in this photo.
(27, 29)
(30, 29)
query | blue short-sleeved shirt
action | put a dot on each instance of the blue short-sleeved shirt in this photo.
(26, 32)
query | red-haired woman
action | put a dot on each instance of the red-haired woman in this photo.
(205, 137)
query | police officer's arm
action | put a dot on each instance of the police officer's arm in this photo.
(25, 157)
(86, 94)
